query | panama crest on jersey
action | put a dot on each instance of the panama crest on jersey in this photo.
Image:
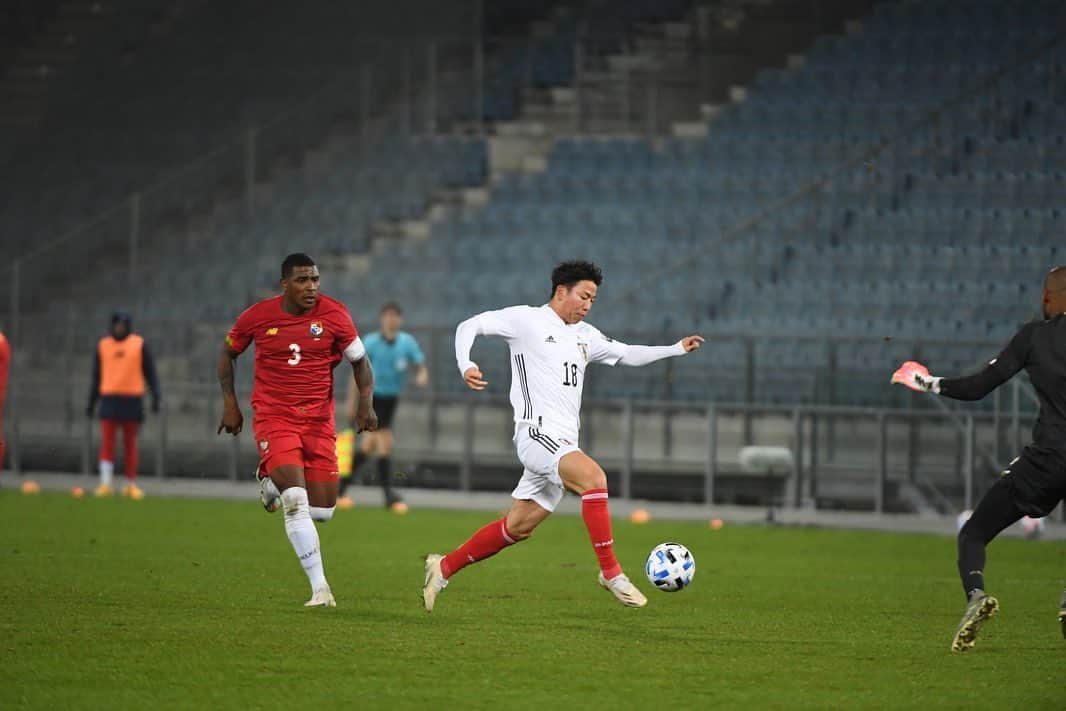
(317, 329)
(264, 445)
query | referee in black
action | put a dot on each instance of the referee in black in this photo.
(1035, 482)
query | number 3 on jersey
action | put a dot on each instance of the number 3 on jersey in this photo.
(570, 374)
(295, 348)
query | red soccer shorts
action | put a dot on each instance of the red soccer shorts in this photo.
(312, 446)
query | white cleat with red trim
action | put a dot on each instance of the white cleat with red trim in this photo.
(626, 592)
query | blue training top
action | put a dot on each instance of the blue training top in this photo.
(392, 360)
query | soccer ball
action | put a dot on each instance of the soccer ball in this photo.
(670, 567)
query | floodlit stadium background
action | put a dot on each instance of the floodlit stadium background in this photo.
(822, 188)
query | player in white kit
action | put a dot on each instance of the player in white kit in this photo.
(550, 348)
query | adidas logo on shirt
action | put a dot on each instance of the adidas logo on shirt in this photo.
(550, 339)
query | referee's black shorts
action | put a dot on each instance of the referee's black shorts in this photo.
(385, 407)
(1036, 481)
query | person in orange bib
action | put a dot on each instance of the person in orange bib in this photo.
(5, 360)
(122, 368)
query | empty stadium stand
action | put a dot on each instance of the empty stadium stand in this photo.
(894, 191)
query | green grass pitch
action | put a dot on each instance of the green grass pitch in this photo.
(198, 604)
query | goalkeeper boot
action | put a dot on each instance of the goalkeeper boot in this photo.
(980, 609)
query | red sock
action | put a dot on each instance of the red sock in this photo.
(129, 445)
(598, 522)
(488, 541)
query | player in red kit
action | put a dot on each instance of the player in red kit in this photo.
(300, 336)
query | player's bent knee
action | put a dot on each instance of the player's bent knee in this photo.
(322, 513)
(294, 501)
(581, 473)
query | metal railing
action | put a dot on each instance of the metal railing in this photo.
(879, 459)
(439, 88)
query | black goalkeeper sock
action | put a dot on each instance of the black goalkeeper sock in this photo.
(994, 512)
(971, 559)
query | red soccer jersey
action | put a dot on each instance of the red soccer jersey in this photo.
(294, 356)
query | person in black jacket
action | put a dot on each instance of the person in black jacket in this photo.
(1035, 482)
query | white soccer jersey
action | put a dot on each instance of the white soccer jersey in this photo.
(548, 360)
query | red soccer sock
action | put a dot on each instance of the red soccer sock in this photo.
(598, 522)
(488, 541)
(129, 445)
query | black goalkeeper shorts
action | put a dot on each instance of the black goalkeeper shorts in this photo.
(1036, 481)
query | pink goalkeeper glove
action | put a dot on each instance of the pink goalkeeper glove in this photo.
(915, 376)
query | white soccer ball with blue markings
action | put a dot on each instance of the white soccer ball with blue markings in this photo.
(670, 567)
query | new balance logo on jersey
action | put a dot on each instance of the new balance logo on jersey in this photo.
(272, 331)
(550, 339)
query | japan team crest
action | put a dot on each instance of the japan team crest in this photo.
(584, 348)
(317, 329)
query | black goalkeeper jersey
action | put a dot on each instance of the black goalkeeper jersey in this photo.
(1039, 348)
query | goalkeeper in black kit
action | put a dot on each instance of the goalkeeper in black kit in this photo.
(1035, 482)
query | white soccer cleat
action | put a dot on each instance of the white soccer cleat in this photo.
(269, 495)
(435, 581)
(626, 592)
(323, 597)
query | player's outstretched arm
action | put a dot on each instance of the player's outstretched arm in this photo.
(643, 355)
(232, 419)
(1002, 368)
(916, 376)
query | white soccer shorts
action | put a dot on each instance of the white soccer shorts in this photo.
(540, 453)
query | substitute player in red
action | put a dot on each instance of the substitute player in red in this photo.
(300, 336)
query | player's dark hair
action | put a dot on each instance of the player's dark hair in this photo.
(296, 259)
(569, 273)
(391, 306)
